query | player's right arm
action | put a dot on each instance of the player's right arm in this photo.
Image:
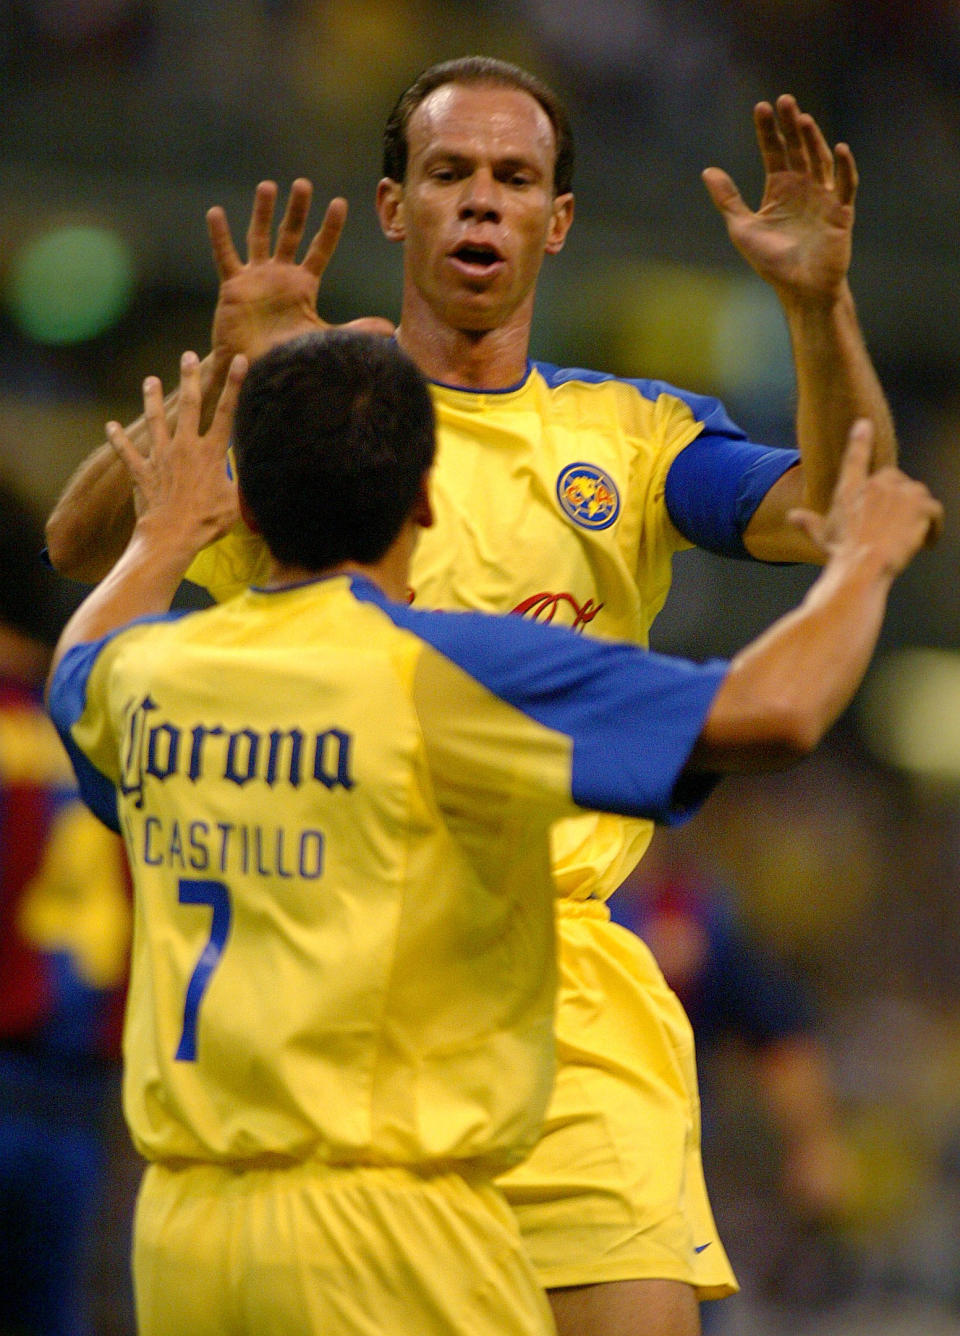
(266, 299)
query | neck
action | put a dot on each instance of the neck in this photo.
(390, 573)
(476, 359)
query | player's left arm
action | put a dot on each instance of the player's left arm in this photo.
(184, 498)
(799, 241)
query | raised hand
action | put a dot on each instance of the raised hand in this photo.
(182, 486)
(799, 240)
(890, 514)
(271, 297)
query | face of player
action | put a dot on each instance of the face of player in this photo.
(477, 212)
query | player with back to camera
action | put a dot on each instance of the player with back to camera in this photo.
(337, 812)
(560, 491)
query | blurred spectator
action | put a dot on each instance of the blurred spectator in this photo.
(64, 932)
(734, 988)
(730, 984)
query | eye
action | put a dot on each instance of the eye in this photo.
(518, 180)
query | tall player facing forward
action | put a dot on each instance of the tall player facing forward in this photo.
(570, 489)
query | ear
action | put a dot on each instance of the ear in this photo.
(246, 514)
(422, 511)
(561, 220)
(390, 209)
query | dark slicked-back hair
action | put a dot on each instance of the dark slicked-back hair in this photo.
(477, 70)
(333, 434)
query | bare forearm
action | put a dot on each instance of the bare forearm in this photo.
(89, 526)
(836, 383)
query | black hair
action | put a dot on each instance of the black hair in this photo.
(333, 434)
(478, 70)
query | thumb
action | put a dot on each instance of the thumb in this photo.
(721, 189)
(857, 460)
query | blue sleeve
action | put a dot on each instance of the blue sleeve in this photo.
(66, 703)
(716, 483)
(633, 716)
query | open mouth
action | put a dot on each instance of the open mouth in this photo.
(481, 257)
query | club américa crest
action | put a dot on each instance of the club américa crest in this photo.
(588, 496)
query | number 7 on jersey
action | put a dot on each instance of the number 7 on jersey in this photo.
(198, 891)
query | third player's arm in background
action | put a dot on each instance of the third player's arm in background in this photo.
(799, 241)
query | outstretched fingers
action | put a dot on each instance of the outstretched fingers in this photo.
(143, 467)
(289, 235)
(222, 424)
(325, 242)
(791, 140)
(290, 232)
(188, 417)
(261, 222)
(126, 451)
(155, 414)
(791, 133)
(225, 255)
(846, 176)
(773, 149)
(816, 149)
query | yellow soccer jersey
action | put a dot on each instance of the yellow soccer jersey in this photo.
(337, 811)
(551, 502)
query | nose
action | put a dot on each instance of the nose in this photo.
(481, 198)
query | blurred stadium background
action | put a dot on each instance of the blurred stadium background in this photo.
(121, 121)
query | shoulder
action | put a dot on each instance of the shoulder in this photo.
(547, 671)
(702, 407)
(484, 645)
(84, 665)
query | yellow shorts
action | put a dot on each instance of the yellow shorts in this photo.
(300, 1251)
(615, 1188)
